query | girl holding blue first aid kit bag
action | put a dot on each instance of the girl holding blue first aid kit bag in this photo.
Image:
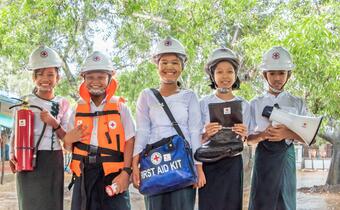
(168, 133)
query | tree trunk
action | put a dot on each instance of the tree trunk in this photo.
(332, 135)
(334, 170)
(69, 76)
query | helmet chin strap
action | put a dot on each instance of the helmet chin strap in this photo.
(168, 82)
(223, 90)
(42, 89)
(275, 90)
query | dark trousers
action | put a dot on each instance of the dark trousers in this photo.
(183, 199)
(96, 197)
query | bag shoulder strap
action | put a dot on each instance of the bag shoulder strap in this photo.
(167, 111)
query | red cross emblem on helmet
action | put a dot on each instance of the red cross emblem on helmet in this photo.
(96, 58)
(276, 55)
(167, 43)
(43, 54)
(156, 158)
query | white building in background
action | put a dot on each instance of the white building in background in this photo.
(312, 158)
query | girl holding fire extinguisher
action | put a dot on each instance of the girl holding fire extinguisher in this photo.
(42, 185)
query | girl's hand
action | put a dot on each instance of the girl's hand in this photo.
(47, 118)
(13, 163)
(211, 129)
(122, 181)
(279, 132)
(136, 176)
(240, 129)
(201, 181)
(75, 135)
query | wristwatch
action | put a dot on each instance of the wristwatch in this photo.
(128, 170)
(58, 127)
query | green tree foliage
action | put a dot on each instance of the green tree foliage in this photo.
(309, 29)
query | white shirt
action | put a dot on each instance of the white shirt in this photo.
(125, 116)
(50, 140)
(153, 124)
(214, 99)
(285, 100)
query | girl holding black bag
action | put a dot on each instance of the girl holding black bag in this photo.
(224, 188)
(153, 125)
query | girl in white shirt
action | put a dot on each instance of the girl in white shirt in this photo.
(224, 187)
(274, 173)
(43, 188)
(153, 123)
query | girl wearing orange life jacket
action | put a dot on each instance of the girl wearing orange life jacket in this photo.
(101, 141)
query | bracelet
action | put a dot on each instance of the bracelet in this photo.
(58, 127)
(128, 170)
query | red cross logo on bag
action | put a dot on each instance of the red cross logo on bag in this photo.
(156, 158)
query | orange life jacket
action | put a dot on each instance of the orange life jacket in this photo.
(110, 133)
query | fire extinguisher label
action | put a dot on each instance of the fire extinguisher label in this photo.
(22, 122)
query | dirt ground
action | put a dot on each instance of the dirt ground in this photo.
(305, 200)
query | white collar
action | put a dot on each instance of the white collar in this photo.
(101, 103)
(269, 95)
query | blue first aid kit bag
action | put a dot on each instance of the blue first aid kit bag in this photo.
(166, 165)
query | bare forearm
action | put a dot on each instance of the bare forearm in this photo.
(59, 130)
(255, 138)
(12, 143)
(296, 137)
(135, 161)
(128, 152)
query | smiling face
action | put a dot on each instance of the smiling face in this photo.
(45, 79)
(277, 79)
(169, 68)
(96, 82)
(224, 75)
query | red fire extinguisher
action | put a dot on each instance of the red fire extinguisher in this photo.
(25, 150)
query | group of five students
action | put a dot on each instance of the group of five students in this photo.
(106, 146)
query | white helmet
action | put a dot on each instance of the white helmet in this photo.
(277, 58)
(221, 54)
(169, 45)
(44, 57)
(97, 61)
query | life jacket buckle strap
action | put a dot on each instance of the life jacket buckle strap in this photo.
(92, 159)
(92, 150)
